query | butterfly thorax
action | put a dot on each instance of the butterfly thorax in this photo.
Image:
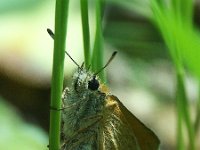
(84, 105)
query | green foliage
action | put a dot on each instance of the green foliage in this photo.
(174, 21)
(86, 32)
(97, 55)
(94, 57)
(58, 61)
(57, 75)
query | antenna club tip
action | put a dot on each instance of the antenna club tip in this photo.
(49, 30)
(114, 53)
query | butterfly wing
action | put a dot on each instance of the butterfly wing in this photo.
(122, 130)
(116, 131)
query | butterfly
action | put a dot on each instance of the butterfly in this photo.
(94, 119)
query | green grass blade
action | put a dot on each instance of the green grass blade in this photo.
(61, 14)
(184, 110)
(197, 119)
(86, 32)
(180, 140)
(171, 21)
(98, 52)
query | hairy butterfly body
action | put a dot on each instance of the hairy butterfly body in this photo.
(96, 120)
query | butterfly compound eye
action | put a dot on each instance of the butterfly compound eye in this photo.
(93, 84)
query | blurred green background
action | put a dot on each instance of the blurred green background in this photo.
(141, 76)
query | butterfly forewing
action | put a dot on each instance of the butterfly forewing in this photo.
(117, 134)
(144, 137)
(96, 120)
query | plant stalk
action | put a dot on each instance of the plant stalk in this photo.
(98, 52)
(86, 32)
(61, 13)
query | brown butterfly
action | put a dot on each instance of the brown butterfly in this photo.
(94, 119)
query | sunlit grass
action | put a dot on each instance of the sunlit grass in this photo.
(86, 32)
(98, 52)
(96, 61)
(174, 21)
(61, 14)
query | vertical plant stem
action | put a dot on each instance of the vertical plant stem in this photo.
(170, 22)
(61, 14)
(180, 140)
(98, 52)
(197, 120)
(183, 105)
(86, 32)
(179, 96)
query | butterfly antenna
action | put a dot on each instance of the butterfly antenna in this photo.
(73, 60)
(52, 35)
(111, 58)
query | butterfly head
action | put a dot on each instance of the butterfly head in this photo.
(85, 80)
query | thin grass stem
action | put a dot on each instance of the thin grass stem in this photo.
(184, 113)
(61, 13)
(197, 119)
(98, 52)
(86, 32)
(170, 21)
